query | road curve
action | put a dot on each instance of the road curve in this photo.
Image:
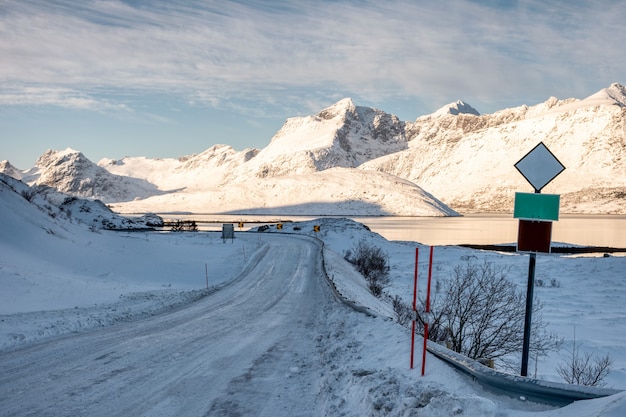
(247, 349)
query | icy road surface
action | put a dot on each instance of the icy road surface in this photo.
(247, 349)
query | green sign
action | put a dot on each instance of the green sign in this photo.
(535, 206)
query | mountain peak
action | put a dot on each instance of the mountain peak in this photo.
(343, 106)
(7, 168)
(54, 157)
(456, 108)
(614, 94)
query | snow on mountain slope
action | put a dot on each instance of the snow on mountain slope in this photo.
(7, 168)
(615, 94)
(336, 191)
(461, 157)
(342, 135)
(70, 172)
(456, 108)
(195, 172)
(468, 161)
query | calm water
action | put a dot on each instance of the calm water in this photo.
(596, 230)
(493, 229)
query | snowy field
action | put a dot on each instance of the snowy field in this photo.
(59, 278)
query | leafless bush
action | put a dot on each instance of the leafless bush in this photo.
(585, 368)
(373, 263)
(403, 311)
(28, 195)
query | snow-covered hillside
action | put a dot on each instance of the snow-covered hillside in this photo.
(336, 191)
(58, 209)
(464, 159)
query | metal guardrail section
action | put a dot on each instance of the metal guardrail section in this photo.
(530, 389)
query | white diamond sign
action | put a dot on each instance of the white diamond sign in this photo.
(539, 166)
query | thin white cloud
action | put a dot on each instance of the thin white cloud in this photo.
(216, 52)
(58, 96)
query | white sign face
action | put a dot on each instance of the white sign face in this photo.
(539, 166)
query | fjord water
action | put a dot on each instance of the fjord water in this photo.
(484, 229)
(478, 229)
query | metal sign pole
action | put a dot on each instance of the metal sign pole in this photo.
(529, 313)
(529, 309)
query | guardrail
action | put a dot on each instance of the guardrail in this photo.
(523, 388)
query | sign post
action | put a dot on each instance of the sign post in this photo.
(536, 213)
(228, 232)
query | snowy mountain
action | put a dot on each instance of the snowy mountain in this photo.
(10, 170)
(468, 160)
(456, 108)
(337, 157)
(308, 165)
(70, 172)
(342, 135)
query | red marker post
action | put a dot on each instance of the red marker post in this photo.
(430, 274)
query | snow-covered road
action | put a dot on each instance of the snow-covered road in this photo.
(247, 349)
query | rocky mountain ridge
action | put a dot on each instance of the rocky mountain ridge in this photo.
(72, 173)
(342, 135)
(455, 155)
(467, 160)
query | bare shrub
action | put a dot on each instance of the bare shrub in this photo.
(585, 368)
(403, 311)
(371, 262)
(28, 195)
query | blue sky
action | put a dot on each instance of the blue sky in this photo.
(171, 78)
